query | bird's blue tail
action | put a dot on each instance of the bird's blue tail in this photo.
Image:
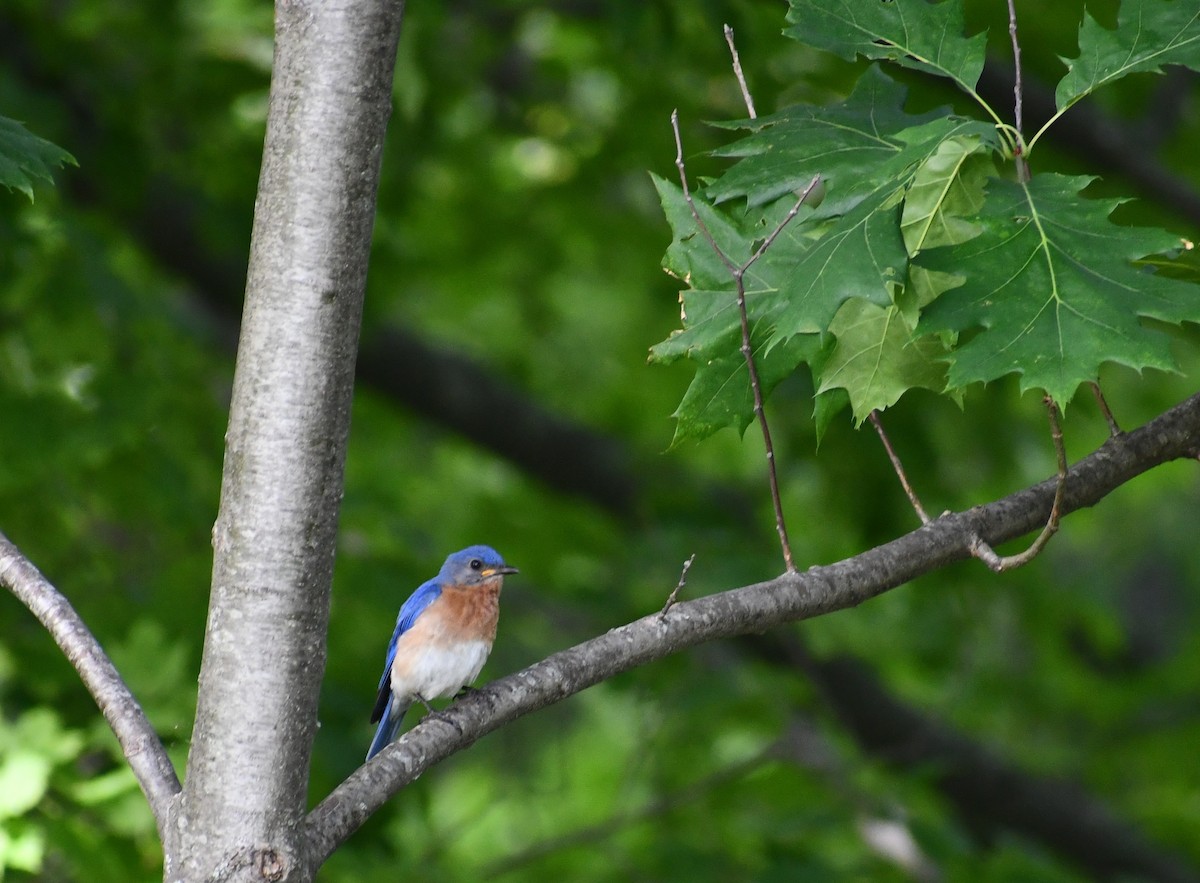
(389, 726)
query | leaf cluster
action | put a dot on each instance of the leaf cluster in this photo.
(935, 260)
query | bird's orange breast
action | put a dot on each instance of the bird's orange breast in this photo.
(464, 614)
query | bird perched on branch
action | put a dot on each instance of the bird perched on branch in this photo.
(443, 635)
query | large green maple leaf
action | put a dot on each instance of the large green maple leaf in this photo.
(914, 33)
(843, 143)
(1049, 291)
(1149, 34)
(856, 146)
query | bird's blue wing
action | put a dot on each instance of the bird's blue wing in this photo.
(388, 710)
(425, 595)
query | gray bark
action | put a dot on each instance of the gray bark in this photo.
(241, 813)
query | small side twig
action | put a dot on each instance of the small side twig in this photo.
(737, 72)
(687, 565)
(986, 554)
(1102, 403)
(139, 742)
(738, 272)
(1018, 111)
(898, 467)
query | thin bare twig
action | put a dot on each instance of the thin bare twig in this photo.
(1018, 111)
(139, 742)
(733, 268)
(737, 72)
(738, 273)
(1102, 403)
(899, 467)
(986, 554)
(687, 565)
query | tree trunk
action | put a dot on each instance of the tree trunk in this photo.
(241, 813)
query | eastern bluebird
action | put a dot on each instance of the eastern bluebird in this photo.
(443, 635)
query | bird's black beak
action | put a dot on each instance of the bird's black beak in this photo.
(502, 570)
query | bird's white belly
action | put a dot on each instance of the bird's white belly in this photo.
(438, 671)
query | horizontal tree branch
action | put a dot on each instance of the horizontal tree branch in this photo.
(755, 608)
(138, 740)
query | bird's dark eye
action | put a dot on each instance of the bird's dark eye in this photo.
(476, 564)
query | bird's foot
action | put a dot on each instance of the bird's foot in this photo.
(434, 714)
(443, 717)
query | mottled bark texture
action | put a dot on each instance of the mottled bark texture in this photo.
(241, 813)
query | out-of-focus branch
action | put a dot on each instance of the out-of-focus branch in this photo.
(450, 389)
(992, 795)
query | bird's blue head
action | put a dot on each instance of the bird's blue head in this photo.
(473, 565)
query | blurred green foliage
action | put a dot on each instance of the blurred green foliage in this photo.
(518, 226)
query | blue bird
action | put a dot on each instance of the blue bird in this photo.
(443, 636)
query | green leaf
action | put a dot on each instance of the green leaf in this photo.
(945, 195)
(876, 360)
(1050, 287)
(24, 776)
(914, 33)
(720, 394)
(1149, 34)
(828, 405)
(709, 314)
(856, 147)
(839, 143)
(103, 788)
(861, 254)
(22, 847)
(26, 159)
(40, 730)
(690, 258)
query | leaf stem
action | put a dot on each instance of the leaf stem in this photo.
(1102, 403)
(950, 75)
(898, 467)
(984, 552)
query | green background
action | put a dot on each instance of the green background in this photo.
(514, 292)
